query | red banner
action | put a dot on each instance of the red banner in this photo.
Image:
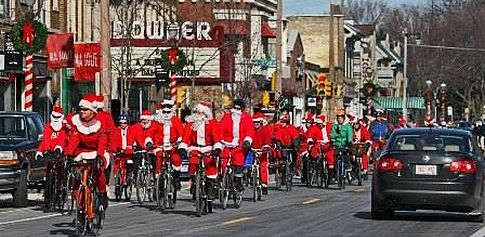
(88, 61)
(60, 49)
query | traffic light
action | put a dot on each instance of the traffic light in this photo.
(328, 88)
(321, 85)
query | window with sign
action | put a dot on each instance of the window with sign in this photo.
(4, 8)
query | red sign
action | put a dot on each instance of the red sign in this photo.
(60, 49)
(88, 61)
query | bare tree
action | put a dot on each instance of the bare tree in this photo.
(366, 11)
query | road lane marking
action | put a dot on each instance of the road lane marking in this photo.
(313, 200)
(359, 190)
(29, 219)
(237, 220)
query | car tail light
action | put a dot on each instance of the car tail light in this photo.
(463, 166)
(389, 164)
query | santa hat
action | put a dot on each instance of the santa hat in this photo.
(57, 112)
(88, 101)
(258, 117)
(99, 102)
(352, 119)
(320, 119)
(147, 114)
(379, 112)
(205, 108)
(166, 104)
(309, 118)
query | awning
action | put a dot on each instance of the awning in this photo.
(396, 102)
(266, 30)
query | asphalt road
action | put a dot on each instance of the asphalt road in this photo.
(302, 212)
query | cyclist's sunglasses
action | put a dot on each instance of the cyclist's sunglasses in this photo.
(123, 122)
(83, 109)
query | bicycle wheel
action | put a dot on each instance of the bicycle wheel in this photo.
(342, 173)
(277, 177)
(60, 194)
(225, 187)
(171, 192)
(129, 186)
(254, 183)
(309, 174)
(288, 176)
(80, 220)
(150, 186)
(140, 185)
(198, 195)
(70, 201)
(160, 193)
(359, 172)
(118, 187)
(98, 221)
(48, 191)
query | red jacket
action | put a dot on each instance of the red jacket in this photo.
(123, 139)
(107, 125)
(263, 136)
(172, 132)
(363, 135)
(245, 131)
(151, 134)
(86, 137)
(286, 134)
(53, 139)
(209, 136)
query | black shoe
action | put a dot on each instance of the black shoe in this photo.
(176, 179)
(265, 190)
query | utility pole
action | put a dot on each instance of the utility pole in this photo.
(405, 79)
(105, 52)
(331, 59)
(279, 41)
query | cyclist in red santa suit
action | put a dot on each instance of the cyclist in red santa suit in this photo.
(87, 140)
(362, 135)
(148, 133)
(202, 134)
(263, 136)
(325, 143)
(237, 136)
(309, 148)
(123, 139)
(171, 133)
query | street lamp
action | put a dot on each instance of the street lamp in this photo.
(443, 98)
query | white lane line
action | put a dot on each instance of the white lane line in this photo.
(479, 233)
(30, 219)
(313, 200)
(237, 220)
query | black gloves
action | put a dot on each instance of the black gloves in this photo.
(216, 152)
(57, 151)
(182, 153)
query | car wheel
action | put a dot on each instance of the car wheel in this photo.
(378, 211)
(20, 194)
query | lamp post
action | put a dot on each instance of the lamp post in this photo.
(428, 97)
(405, 79)
(442, 98)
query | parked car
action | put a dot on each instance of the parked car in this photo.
(429, 168)
(20, 135)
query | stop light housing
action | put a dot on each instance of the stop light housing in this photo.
(321, 85)
(328, 89)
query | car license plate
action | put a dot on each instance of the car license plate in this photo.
(426, 170)
(185, 168)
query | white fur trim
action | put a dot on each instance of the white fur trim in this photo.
(309, 140)
(200, 149)
(248, 139)
(99, 104)
(183, 145)
(177, 168)
(87, 155)
(201, 135)
(147, 117)
(38, 153)
(166, 133)
(236, 120)
(204, 109)
(86, 128)
(58, 147)
(214, 176)
(218, 145)
(168, 102)
(56, 125)
(147, 140)
(86, 104)
(56, 114)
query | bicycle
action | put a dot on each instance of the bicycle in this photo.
(89, 218)
(358, 150)
(166, 193)
(70, 173)
(202, 205)
(255, 175)
(54, 189)
(124, 178)
(227, 185)
(323, 168)
(341, 169)
(143, 176)
(287, 174)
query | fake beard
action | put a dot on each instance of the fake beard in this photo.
(166, 117)
(56, 124)
(235, 111)
(199, 120)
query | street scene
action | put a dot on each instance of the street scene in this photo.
(242, 118)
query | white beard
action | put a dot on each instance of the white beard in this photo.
(198, 120)
(166, 117)
(236, 112)
(56, 125)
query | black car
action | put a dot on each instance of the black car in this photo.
(20, 135)
(429, 168)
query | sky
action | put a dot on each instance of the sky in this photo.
(301, 7)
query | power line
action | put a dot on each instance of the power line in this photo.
(447, 47)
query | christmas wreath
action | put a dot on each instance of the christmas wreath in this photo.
(370, 89)
(173, 59)
(29, 35)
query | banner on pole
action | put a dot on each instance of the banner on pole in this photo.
(13, 58)
(87, 61)
(60, 49)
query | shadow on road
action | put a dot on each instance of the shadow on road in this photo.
(421, 216)
(65, 229)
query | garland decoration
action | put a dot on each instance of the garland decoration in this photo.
(29, 35)
(173, 59)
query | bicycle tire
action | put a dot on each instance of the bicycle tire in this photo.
(118, 188)
(128, 190)
(359, 172)
(171, 192)
(98, 221)
(160, 196)
(288, 176)
(254, 182)
(277, 177)
(60, 194)
(225, 189)
(309, 175)
(198, 198)
(150, 185)
(70, 201)
(140, 185)
(48, 191)
(80, 220)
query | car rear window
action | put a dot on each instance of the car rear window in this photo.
(431, 142)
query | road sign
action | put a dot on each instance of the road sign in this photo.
(311, 102)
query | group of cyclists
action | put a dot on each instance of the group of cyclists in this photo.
(226, 143)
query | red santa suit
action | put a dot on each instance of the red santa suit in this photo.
(87, 140)
(106, 119)
(149, 133)
(323, 139)
(123, 139)
(237, 127)
(285, 133)
(263, 136)
(362, 135)
(55, 133)
(201, 134)
(171, 134)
